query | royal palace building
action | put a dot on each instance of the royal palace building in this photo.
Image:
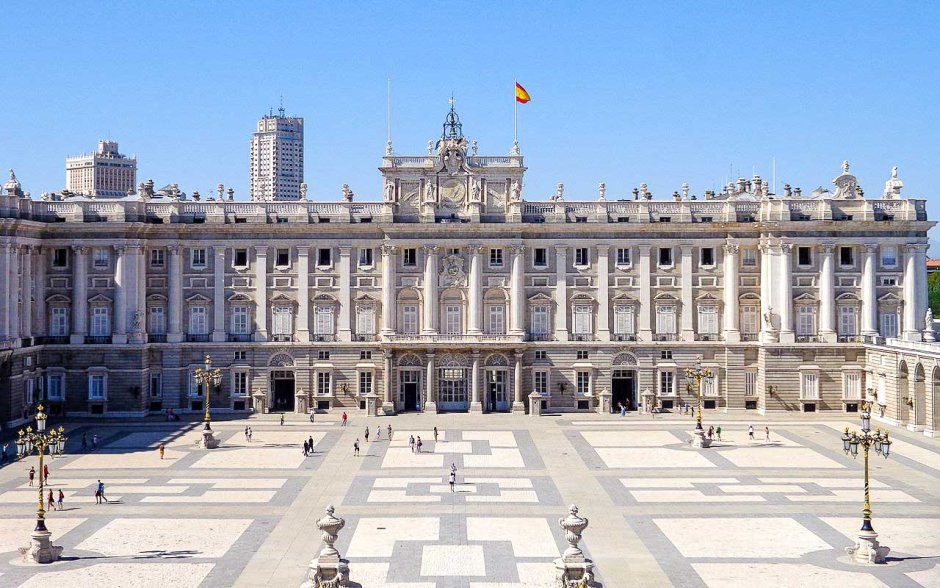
(458, 292)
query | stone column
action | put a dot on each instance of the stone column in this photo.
(79, 294)
(218, 294)
(827, 296)
(688, 332)
(389, 305)
(732, 332)
(475, 404)
(344, 328)
(644, 331)
(261, 293)
(430, 401)
(39, 285)
(137, 295)
(121, 277)
(767, 331)
(13, 313)
(518, 406)
(388, 407)
(561, 292)
(475, 287)
(869, 296)
(28, 290)
(603, 292)
(175, 286)
(786, 294)
(431, 306)
(517, 292)
(915, 291)
(920, 287)
(303, 294)
(5, 252)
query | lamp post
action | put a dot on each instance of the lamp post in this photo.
(40, 549)
(207, 378)
(696, 374)
(867, 550)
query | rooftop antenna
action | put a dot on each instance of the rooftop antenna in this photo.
(281, 109)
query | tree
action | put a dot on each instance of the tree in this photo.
(933, 292)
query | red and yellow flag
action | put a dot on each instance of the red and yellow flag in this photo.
(521, 95)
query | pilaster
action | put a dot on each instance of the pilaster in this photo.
(303, 294)
(218, 293)
(603, 292)
(561, 292)
(475, 286)
(261, 293)
(389, 295)
(730, 290)
(688, 332)
(517, 292)
(344, 328)
(827, 295)
(475, 404)
(79, 294)
(175, 287)
(119, 335)
(644, 330)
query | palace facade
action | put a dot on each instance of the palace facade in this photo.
(456, 292)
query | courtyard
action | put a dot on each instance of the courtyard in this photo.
(775, 512)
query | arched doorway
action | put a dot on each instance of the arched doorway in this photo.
(496, 369)
(453, 382)
(920, 398)
(409, 382)
(903, 393)
(623, 383)
(281, 384)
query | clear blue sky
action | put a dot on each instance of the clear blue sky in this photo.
(660, 93)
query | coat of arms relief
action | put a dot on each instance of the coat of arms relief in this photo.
(453, 275)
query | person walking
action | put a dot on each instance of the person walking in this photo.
(390, 431)
(101, 492)
(305, 448)
(3, 456)
(282, 420)
(750, 432)
(623, 409)
(45, 473)
(249, 434)
(366, 434)
(51, 501)
(32, 474)
(162, 450)
(356, 448)
(246, 433)
(711, 432)
(378, 432)
(418, 443)
(718, 432)
(435, 434)
(310, 444)
(453, 480)
(84, 441)
(767, 433)
(61, 498)
(345, 418)
(94, 442)
(411, 443)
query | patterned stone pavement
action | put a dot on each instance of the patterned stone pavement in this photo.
(775, 512)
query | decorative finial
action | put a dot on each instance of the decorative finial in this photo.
(845, 166)
(388, 147)
(602, 191)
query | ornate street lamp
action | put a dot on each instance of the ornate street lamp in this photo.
(867, 550)
(207, 378)
(40, 549)
(696, 374)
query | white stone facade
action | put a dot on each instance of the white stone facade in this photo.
(455, 293)
(106, 173)
(277, 158)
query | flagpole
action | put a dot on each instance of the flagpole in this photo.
(515, 114)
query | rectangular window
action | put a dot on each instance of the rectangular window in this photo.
(623, 320)
(582, 256)
(707, 256)
(623, 256)
(323, 383)
(59, 322)
(583, 382)
(581, 354)
(409, 257)
(540, 382)
(581, 320)
(846, 256)
(198, 323)
(156, 320)
(804, 256)
(889, 256)
(749, 257)
(100, 321)
(452, 319)
(852, 385)
(847, 322)
(197, 258)
(806, 321)
(324, 257)
(750, 383)
(365, 383)
(240, 320)
(96, 387)
(541, 354)
(809, 386)
(55, 387)
(666, 320)
(282, 259)
(708, 320)
(667, 381)
(665, 256)
(889, 325)
(540, 320)
(409, 319)
(240, 384)
(710, 386)
(323, 355)
(240, 355)
(323, 325)
(365, 320)
(156, 385)
(496, 258)
(541, 257)
(365, 257)
(496, 323)
(241, 258)
(665, 354)
(60, 257)
(157, 258)
(283, 319)
(365, 354)
(101, 257)
(750, 324)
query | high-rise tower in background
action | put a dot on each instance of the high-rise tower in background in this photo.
(105, 173)
(277, 158)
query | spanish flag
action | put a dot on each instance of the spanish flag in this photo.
(521, 95)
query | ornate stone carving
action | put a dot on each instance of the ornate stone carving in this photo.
(389, 191)
(846, 184)
(328, 570)
(572, 568)
(893, 185)
(452, 274)
(602, 191)
(281, 360)
(731, 249)
(559, 195)
(515, 192)
(347, 193)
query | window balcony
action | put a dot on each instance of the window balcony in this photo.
(750, 336)
(540, 337)
(624, 336)
(664, 337)
(98, 339)
(282, 338)
(364, 337)
(807, 339)
(197, 338)
(53, 340)
(582, 337)
(323, 337)
(707, 337)
(155, 338)
(850, 339)
(448, 338)
(239, 337)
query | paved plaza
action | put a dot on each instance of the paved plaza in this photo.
(759, 512)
